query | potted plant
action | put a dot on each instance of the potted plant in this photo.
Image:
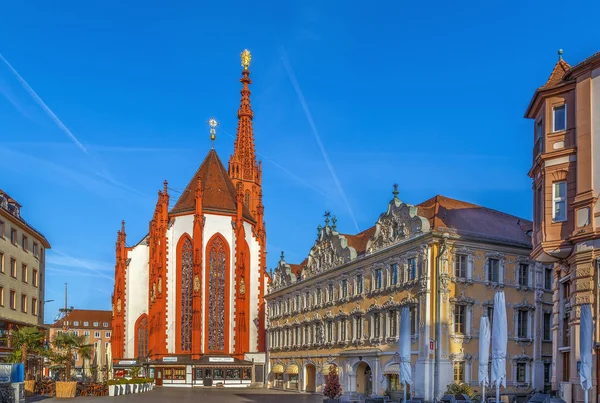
(332, 390)
(66, 345)
(25, 341)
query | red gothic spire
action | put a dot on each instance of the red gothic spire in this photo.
(242, 164)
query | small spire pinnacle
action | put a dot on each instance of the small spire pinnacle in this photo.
(319, 229)
(334, 223)
(246, 58)
(326, 215)
(212, 122)
(560, 53)
(123, 226)
(165, 185)
(395, 192)
(282, 256)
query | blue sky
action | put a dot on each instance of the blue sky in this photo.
(425, 94)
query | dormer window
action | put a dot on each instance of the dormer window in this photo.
(559, 114)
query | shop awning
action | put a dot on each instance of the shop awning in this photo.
(393, 369)
(325, 370)
(292, 369)
(277, 369)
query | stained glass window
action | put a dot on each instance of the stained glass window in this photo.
(142, 338)
(216, 302)
(186, 295)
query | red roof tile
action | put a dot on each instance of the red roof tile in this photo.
(560, 70)
(219, 193)
(360, 240)
(82, 316)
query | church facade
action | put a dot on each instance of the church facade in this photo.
(188, 301)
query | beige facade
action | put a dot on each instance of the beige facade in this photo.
(22, 258)
(341, 306)
(566, 183)
(96, 326)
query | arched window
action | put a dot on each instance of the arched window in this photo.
(141, 335)
(216, 296)
(186, 295)
(247, 199)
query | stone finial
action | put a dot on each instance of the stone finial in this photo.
(395, 192)
(282, 256)
(560, 53)
(334, 223)
(319, 229)
(326, 215)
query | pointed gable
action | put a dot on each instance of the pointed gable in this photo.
(219, 195)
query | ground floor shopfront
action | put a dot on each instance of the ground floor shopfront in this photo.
(205, 372)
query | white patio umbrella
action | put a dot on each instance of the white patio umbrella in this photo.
(404, 349)
(585, 348)
(484, 353)
(109, 364)
(99, 361)
(499, 343)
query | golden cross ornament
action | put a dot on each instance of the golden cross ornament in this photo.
(246, 57)
(212, 122)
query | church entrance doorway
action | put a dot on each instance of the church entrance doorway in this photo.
(310, 378)
(364, 379)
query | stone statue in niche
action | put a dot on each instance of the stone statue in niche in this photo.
(242, 286)
(159, 285)
(196, 283)
(119, 305)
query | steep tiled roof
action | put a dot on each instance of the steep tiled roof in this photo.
(79, 317)
(219, 193)
(12, 211)
(360, 240)
(444, 212)
(560, 70)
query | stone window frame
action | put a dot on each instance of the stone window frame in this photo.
(378, 267)
(465, 358)
(343, 278)
(468, 303)
(470, 254)
(521, 359)
(501, 257)
(531, 270)
(524, 306)
(405, 260)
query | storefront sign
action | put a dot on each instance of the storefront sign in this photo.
(220, 359)
(127, 362)
(169, 359)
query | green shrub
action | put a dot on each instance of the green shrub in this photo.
(457, 388)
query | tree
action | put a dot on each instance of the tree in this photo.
(460, 388)
(332, 390)
(66, 346)
(25, 340)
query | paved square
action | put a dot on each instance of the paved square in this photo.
(208, 395)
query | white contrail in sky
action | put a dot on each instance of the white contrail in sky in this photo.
(43, 105)
(309, 117)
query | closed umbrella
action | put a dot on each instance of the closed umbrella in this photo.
(499, 343)
(404, 349)
(585, 347)
(109, 364)
(484, 353)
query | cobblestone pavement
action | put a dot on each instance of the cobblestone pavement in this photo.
(196, 395)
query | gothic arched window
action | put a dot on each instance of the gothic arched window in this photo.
(216, 295)
(186, 295)
(141, 334)
(247, 199)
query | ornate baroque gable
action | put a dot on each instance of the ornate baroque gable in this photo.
(329, 251)
(282, 275)
(398, 223)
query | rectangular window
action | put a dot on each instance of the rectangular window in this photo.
(493, 270)
(521, 372)
(76, 323)
(560, 118)
(96, 324)
(459, 319)
(34, 306)
(412, 268)
(13, 300)
(24, 243)
(548, 278)
(459, 371)
(35, 249)
(13, 268)
(23, 303)
(540, 204)
(97, 335)
(539, 130)
(547, 372)
(86, 323)
(359, 284)
(523, 324)
(24, 273)
(1, 229)
(86, 333)
(358, 328)
(344, 288)
(329, 332)
(547, 326)
(307, 300)
(1, 262)
(559, 201)
(376, 325)
(524, 275)
(460, 266)
(378, 279)
(107, 334)
(413, 321)
(13, 236)
(1, 296)
(34, 277)
(343, 330)
(566, 364)
(394, 274)
(318, 296)
(330, 294)
(490, 314)
(393, 323)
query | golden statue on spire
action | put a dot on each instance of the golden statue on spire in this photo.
(212, 122)
(246, 57)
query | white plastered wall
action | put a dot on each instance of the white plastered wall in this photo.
(253, 285)
(136, 294)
